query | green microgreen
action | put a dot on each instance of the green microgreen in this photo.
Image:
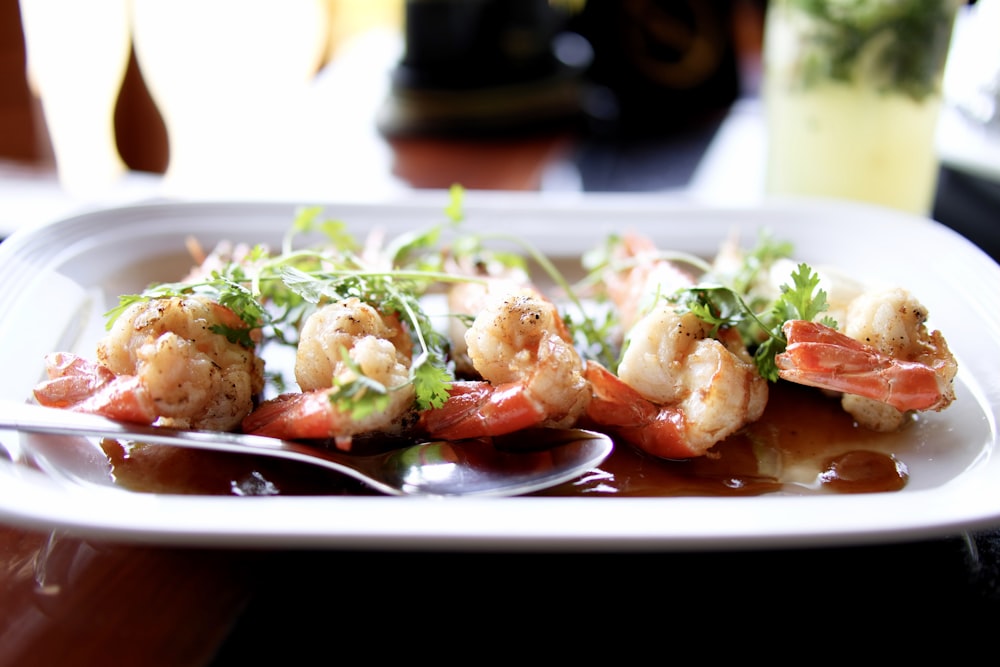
(227, 287)
(277, 291)
(590, 333)
(723, 306)
(356, 393)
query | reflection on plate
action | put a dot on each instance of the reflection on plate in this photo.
(60, 279)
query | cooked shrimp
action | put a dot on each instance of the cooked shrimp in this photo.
(466, 298)
(532, 374)
(375, 345)
(678, 391)
(643, 277)
(164, 361)
(83, 385)
(886, 362)
(465, 301)
(224, 254)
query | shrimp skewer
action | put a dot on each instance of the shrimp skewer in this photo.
(886, 362)
(165, 361)
(532, 374)
(340, 343)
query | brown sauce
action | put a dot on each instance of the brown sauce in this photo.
(803, 444)
(158, 469)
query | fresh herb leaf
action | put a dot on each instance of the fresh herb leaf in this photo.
(803, 300)
(456, 203)
(356, 393)
(723, 306)
(227, 287)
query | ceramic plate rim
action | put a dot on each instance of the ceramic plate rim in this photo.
(35, 500)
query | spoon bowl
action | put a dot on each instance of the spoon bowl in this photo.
(509, 465)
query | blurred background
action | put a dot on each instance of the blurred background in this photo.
(320, 100)
(462, 70)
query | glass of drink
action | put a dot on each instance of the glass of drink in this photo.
(852, 93)
(77, 53)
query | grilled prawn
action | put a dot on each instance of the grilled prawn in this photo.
(532, 374)
(342, 343)
(678, 391)
(166, 360)
(886, 362)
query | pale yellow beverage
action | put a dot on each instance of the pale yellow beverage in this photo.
(853, 93)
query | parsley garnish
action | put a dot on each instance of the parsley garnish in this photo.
(228, 288)
(723, 306)
(275, 292)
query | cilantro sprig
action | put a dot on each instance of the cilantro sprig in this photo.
(227, 287)
(277, 291)
(273, 293)
(390, 293)
(595, 331)
(724, 306)
(591, 333)
(732, 292)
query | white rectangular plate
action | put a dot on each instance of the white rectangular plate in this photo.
(59, 280)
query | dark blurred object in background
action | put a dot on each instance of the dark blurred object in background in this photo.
(20, 115)
(473, 67)
(626, 67)
(659, 65)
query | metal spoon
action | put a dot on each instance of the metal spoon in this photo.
(509, 465)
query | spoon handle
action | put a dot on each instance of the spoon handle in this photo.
(33, 418)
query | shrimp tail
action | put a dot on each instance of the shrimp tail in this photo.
(530, 373)
(306, 415)
(613, 402)
(477, 408)
(822, 357)
(75, 383)
(617, 407)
